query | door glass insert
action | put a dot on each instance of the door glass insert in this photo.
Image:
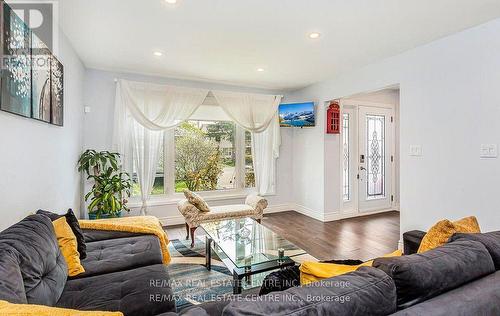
(346, 156)
(375, 149)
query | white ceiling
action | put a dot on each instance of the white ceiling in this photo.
(227, 40)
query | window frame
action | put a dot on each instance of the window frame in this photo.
(169, 195)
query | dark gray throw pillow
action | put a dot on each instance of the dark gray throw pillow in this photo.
(75, 227)
(490, 240)
(419, 277)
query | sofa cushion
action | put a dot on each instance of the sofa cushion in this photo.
(490, 240)
(419, 277)
(41, 263)
(92, 235)
(367, 291)
(11, 279)
(75, 227)
(121, 254)
(139, 292)
(479, 297)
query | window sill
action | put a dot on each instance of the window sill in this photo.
(175, 198)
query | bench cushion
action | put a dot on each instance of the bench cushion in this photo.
(143, 291)
(113, 255)
(226, 212)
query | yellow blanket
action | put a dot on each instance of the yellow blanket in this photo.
(133, 224)
(316, 271)
(9, 309)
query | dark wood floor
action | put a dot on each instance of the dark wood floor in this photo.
(361, 238)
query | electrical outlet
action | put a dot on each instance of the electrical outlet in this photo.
(488, 151)
(415, 150)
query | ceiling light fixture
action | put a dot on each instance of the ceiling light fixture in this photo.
(314, 35)
(171, 1)
(260, 69)
(158, 54)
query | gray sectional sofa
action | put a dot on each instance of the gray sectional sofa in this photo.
(460, 278)
(123, 271)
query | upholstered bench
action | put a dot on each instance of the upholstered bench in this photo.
(196, 211)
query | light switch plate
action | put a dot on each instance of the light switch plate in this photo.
(416, 150)
(87, 109)
(488, 151)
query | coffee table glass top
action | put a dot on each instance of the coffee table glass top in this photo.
(246, 242)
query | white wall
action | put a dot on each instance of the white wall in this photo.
(450, 104)
(98, 128)
(38, 160)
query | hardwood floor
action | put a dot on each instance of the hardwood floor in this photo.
(361, 238)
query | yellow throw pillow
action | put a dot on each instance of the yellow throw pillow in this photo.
(316, 271)
(68, 245)
(7, 308)
(439, 234)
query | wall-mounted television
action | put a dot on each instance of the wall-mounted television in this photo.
(297, 114)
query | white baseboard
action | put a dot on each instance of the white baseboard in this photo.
(309, 212)
(323, 217)
(279, 208)
(172, 220)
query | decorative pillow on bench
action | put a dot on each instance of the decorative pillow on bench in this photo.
(196, 200)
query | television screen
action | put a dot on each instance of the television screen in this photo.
(297, 114)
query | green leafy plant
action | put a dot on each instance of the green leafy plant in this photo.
(111, 187)
(198, 159)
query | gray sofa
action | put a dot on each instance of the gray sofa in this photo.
(123, 271)
(459, 278)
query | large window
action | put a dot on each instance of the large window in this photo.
(204, 155)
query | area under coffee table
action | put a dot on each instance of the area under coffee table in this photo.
(247, 248)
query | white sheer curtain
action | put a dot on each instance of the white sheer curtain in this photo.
(259, 114)
(143, 111)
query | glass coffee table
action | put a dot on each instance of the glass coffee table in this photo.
(247, 249)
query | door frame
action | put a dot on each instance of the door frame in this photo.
(354, 209)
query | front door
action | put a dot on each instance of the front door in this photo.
(375, 158)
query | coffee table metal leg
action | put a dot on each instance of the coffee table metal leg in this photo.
(248, 277)
(237, 287)
(208, 253)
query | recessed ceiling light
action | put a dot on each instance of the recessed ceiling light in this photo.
(314, 35)
(260, 69)
(158, 54)
(171, 1)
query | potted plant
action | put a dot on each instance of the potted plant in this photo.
(111, 188)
